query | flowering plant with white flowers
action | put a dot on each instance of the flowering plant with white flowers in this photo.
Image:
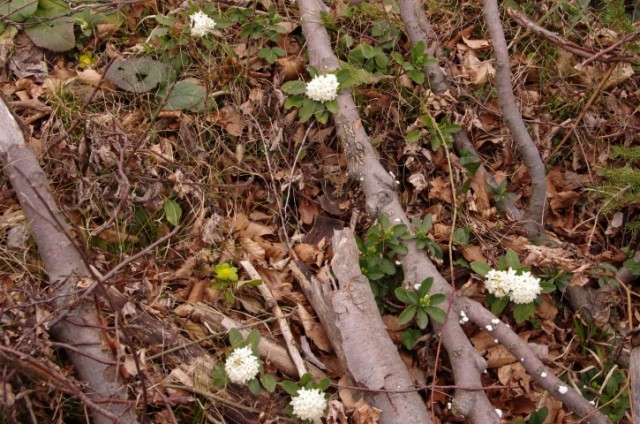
(323, 88)
(308, 400)
(317, 98)
(510, 282)
(309, 404)
(242, 365)
(201, 24)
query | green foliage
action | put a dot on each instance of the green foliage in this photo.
(500, 193)
(419, 59)
(370, 58)
(227, 281)
(604, 388)
(422, 236)
(172, 212)
(420, 305)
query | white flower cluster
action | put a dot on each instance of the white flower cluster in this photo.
(323, 88)
(201, 24)
(242, 365)
(523, 288)
(309, 404)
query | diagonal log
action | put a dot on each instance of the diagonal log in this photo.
(67, 272)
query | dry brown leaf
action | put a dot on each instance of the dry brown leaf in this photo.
(363, 413)
(314, 330)
(309, 254)
(440, 189)
(253, 249)
(472, 253)
(229, 119)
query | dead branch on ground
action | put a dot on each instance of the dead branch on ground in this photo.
(534, 219)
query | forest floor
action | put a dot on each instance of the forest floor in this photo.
(229, 156)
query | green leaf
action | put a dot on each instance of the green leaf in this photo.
(437, 314)
(138, 75)
(18, 10)
(219, 377)
(290, 387)
(307, 110)
(235, 338)
(539, 416)
(413, 136)
(422, 319)
(294, 87)
(480, 268)
(306, 380)
(438, 298)
(407, 315)
(323, 384)
(410, 336)
(55, 35)
(632, 265)
(187, 94)
(293, 101)
(498, 305)
(402, 295)
(461, 236)
(522, 312)
(173, 212)
(253, 338)
(416, 76)
(268, 382)
(469, 162)
(254, 386)
(332, 106)
(386, 266)
(425, 286)
(512, 259)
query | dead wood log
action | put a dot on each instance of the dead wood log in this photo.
(67, 273)
(359, 337)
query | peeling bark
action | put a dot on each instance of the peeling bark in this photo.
(359, 337)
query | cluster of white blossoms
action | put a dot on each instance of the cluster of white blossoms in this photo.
(242, 365)
(201, 24)
(323, 88)
(523, 288)
(309, 404)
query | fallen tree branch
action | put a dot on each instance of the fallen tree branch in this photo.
(571, 47)
(534, 366)
(66, 271)
(512, 118)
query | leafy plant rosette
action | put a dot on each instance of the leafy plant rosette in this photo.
(511, 281)
(227, 281)
(420, 304)
(306, 387)
(308, 107)
(243, 365)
